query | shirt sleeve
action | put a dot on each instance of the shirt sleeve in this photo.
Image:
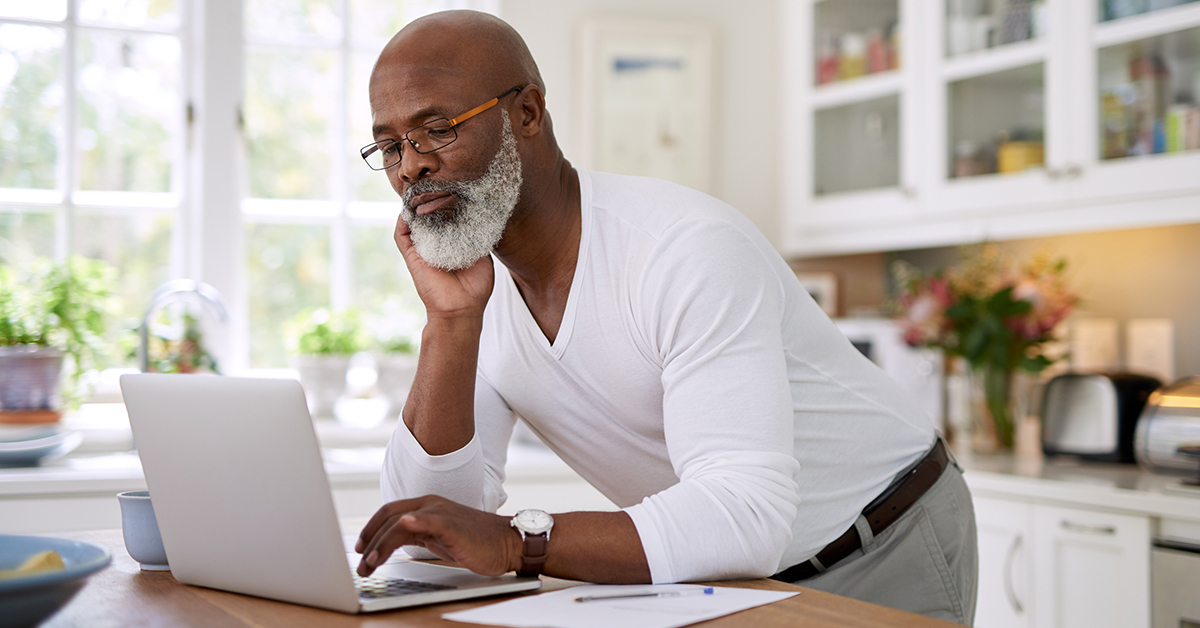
(712, 305)
(473, 475)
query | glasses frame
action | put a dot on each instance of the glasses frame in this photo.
(381, 145)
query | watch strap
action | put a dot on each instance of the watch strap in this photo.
(534, 557)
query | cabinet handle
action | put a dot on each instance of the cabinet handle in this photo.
(1009, 589)
(1086, 529)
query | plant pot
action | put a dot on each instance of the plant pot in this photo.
(324, 380)
(395, 373)
(29, 383)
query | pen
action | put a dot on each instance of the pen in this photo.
(626, 596)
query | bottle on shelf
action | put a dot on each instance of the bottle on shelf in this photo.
(854, 56)
(877, 54)
(828, 61)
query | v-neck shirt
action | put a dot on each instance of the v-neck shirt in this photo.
(693, 382)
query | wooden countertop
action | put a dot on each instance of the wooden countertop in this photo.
(123, 595)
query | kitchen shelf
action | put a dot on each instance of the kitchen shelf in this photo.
(994, 60)
(857, 90)
(1147, 25)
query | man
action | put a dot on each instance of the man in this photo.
(655, 341)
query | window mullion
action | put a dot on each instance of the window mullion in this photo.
(68, 180)
(215, 186)
(342, 253)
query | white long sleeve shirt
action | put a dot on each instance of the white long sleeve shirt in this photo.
(693, 382)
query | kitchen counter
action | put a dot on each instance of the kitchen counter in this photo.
(76, 492)
(1111, 487)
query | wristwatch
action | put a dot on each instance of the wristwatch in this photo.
(534, 526)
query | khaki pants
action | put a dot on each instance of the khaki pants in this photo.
(926, 562)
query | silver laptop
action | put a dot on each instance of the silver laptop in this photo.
(244, 505)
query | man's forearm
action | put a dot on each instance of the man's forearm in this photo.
(441, 405)
(601, 547)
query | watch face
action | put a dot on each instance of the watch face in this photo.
(534, 521)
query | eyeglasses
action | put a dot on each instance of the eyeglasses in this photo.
(431, 136)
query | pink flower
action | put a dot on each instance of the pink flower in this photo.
(924, 318)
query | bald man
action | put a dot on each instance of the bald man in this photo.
(651, 337)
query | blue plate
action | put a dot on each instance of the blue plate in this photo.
(26, 600)
(27, 448)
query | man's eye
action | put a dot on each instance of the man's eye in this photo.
(441, 133)
(390, 149)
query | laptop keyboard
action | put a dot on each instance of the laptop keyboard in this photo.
(374, 588)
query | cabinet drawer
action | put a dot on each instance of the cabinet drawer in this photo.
(1093, 566)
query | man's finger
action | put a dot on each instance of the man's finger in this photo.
(382, 547)
(391, 538)
(381, 516)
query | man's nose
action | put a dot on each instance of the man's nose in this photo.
(414, 165)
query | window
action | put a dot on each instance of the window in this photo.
(91, 136)
(115, 143)
(318, 222)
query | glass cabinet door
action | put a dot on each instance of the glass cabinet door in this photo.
(856, 96)
(855, 38)
(857, 146)
(1118, 9)
(996, 122)
(975, 25)
(1139, 128)
(1149, 96)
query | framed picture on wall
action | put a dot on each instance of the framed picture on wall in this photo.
(647, 99)
(823, 288)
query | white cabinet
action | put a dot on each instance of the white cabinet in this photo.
(911, 123)
(1005, 541)
(1091, 568)
(1049, 566)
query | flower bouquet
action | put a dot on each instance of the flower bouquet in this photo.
(994, 315)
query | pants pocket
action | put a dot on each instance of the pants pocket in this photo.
(908, 571)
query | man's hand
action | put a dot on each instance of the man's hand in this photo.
(446, 293)
(482, 542)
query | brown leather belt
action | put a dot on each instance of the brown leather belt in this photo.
(880, 513)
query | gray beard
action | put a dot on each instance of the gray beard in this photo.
(457, 239)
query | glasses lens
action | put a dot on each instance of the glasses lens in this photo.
(432, 135)
(382, 155)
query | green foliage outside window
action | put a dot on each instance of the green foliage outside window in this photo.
(321, 332)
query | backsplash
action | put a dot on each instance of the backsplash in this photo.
(1125, 275)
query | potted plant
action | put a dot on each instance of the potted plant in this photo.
(995, 317)
(323, 343)
(395, 368)
(53, 316)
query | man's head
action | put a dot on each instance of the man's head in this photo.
(459, 198)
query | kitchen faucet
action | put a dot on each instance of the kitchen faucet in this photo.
(170, 291)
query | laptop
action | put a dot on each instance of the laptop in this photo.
(243, 503)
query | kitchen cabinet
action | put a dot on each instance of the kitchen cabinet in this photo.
(910, 123)
(1005, 541)
(1065, 543)
(1092, 568)
(1049, 566)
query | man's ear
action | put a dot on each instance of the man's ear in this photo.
(532, 113)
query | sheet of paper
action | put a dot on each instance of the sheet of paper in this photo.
(558, 609)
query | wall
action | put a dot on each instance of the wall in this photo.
(745, 106)
(1135, 273)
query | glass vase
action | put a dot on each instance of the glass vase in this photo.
(999, 401)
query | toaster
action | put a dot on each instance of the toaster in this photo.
(1094, 415)
(1168, 434)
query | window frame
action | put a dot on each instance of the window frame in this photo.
(208, 201)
